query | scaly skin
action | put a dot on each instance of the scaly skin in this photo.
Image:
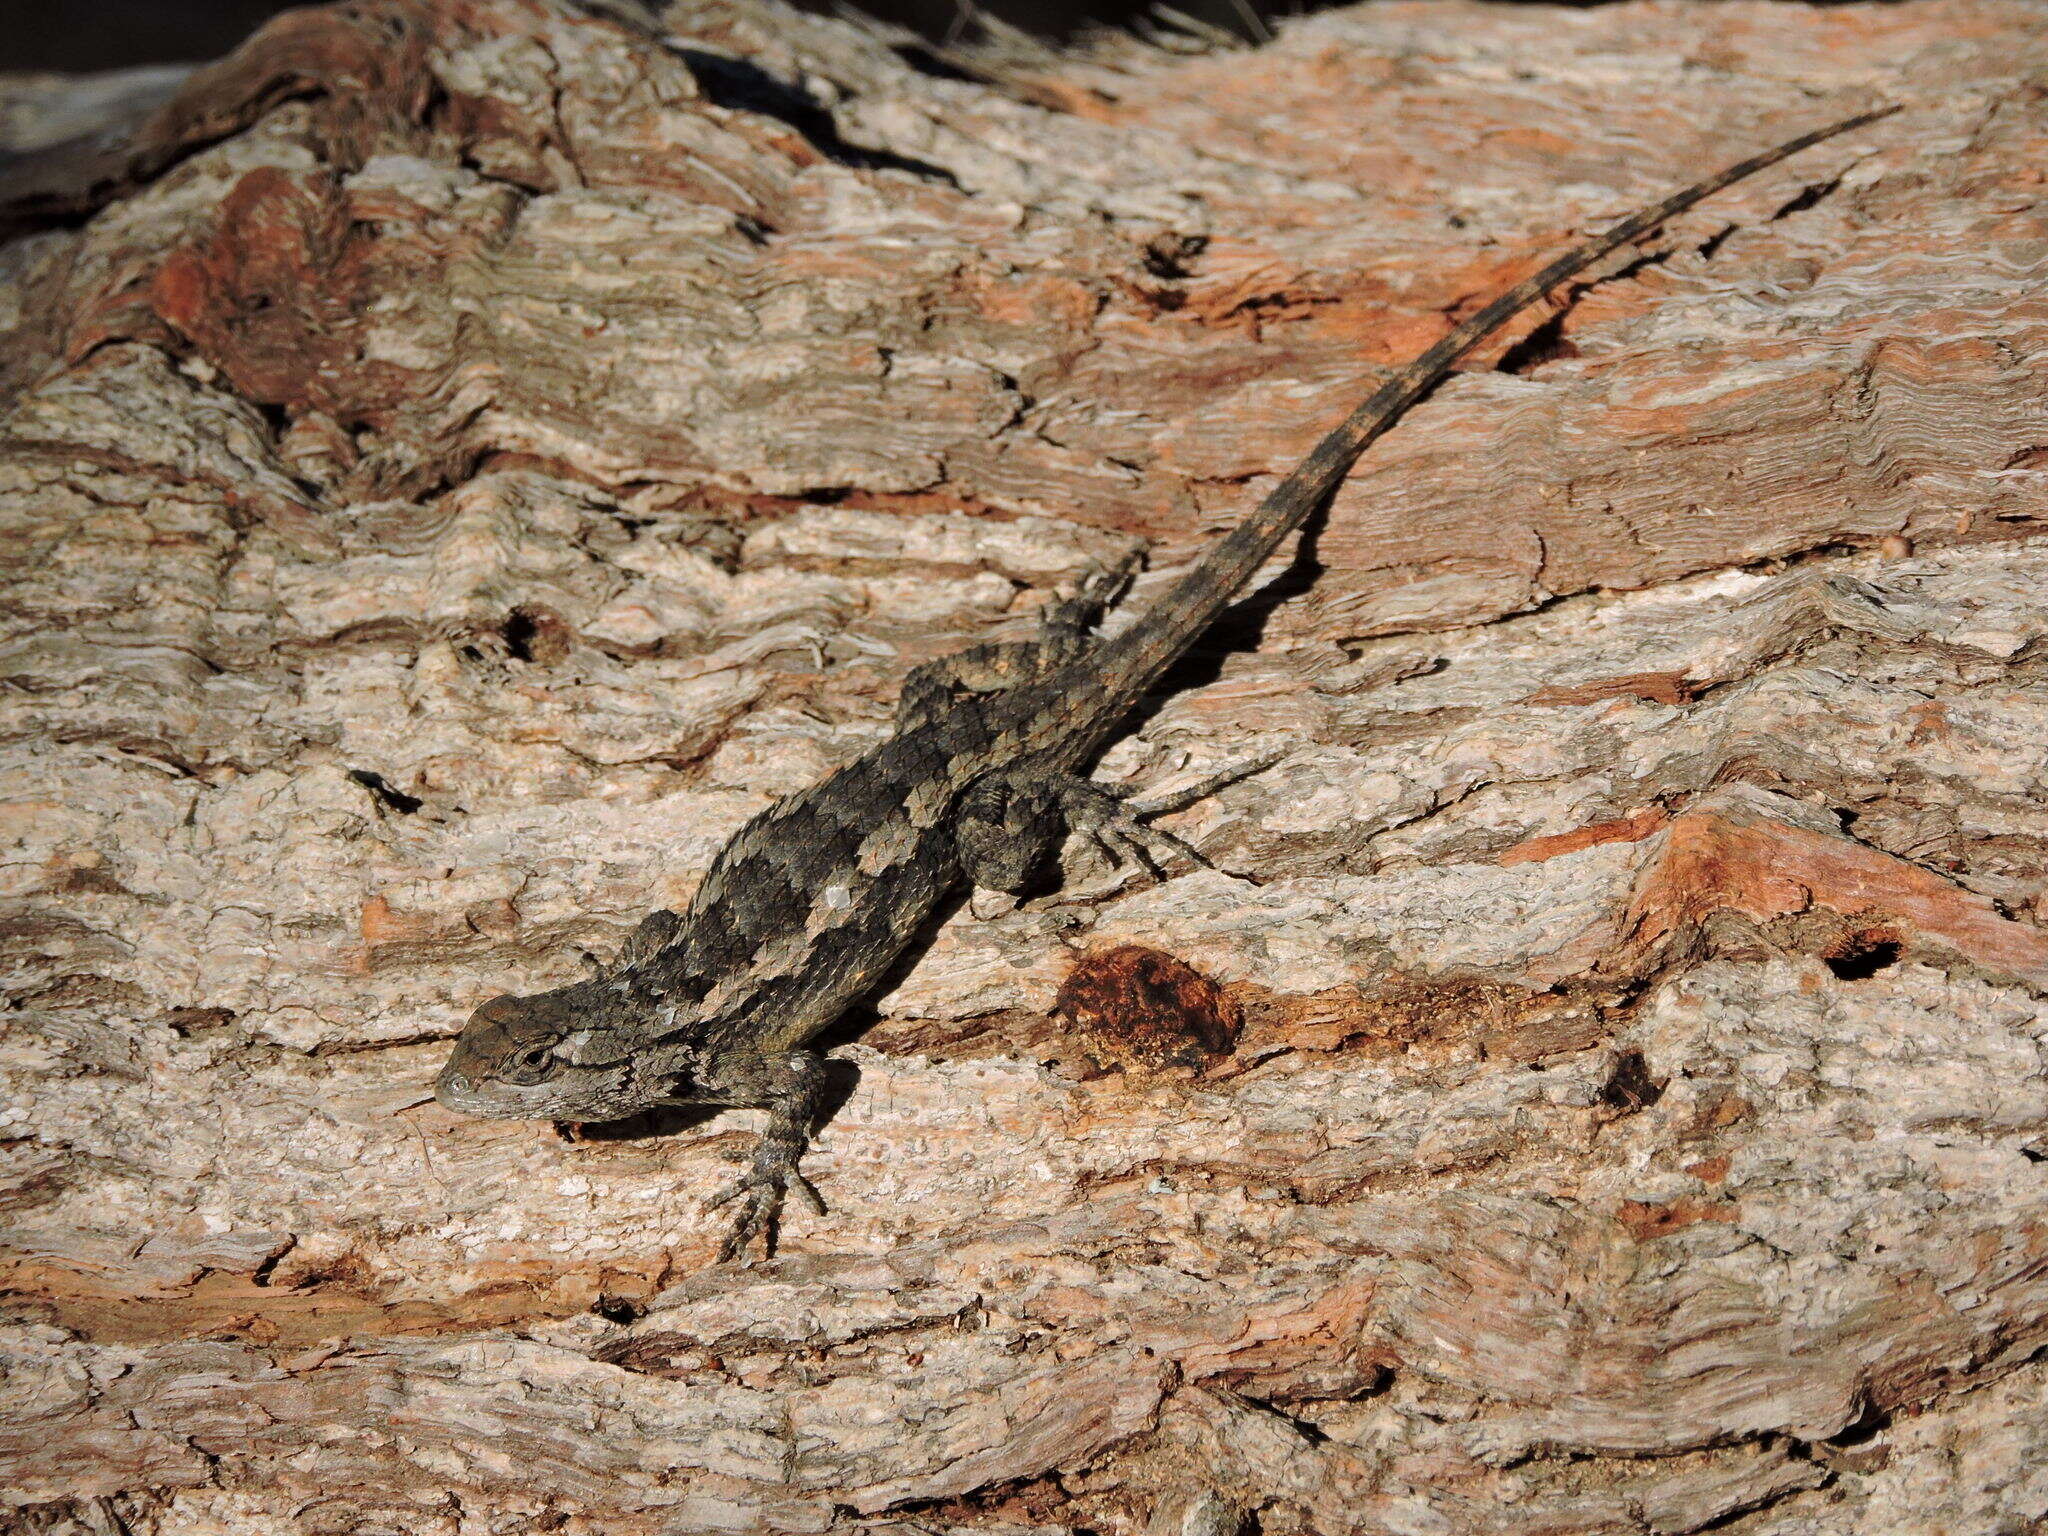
(815, 899)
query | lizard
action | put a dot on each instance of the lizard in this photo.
(808, 906)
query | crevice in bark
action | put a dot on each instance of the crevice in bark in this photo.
(740, 85)
(391, 799)
(1862, 955)
(1807, 197)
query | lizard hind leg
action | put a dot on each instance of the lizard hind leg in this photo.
(934, 687)
(1117, 828)
(1068, 621)
(1006, 828)
(1117, 822)
(1009, 823)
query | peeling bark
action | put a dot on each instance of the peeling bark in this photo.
(460, 460)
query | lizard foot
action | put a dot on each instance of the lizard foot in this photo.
(760, 1191)
(1114, 827)
(1117, 822)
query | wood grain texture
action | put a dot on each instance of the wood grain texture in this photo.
(459, 461)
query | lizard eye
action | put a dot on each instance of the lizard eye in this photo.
(535, 1064)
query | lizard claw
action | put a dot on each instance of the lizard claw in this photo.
(760, 1191)
(809, 1191)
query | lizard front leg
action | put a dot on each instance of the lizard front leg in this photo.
(791, 1086)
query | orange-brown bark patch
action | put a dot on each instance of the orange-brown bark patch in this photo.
(270, 296)
(1401, 1013)
(1652, 687)
(1718, 1109)
(1654, 1219)
(1632, 828)
(1710, 1170)
(1711, 861)
(123, 1309)
(1143, 1008)
(381, 923)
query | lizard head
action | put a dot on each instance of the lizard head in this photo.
(551, 1056)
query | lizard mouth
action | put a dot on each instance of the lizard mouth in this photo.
(455, 1090)
(493, 1098)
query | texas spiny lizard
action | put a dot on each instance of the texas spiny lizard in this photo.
(809, 905)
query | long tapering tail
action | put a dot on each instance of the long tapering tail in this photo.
(1130, 662)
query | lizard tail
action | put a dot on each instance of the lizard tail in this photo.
(1130, 662)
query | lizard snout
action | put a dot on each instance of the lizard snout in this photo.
(454, 1088)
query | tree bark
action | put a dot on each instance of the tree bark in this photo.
(459, 461)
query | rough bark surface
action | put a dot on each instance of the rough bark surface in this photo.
(459, 460)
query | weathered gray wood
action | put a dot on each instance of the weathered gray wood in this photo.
(479, 452)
